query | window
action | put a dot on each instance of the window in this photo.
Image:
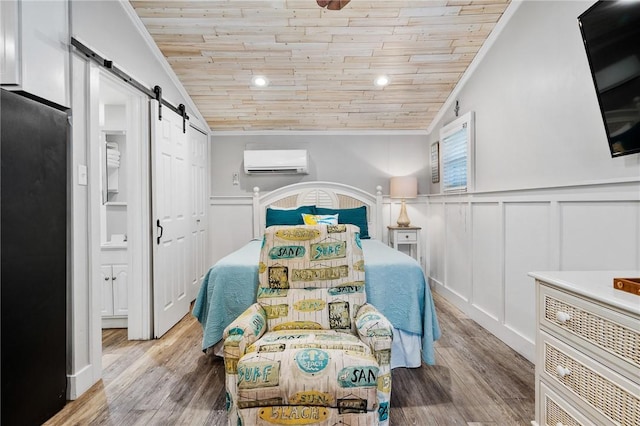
(456, 144)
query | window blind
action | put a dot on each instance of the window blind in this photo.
(457, 158)
(454, 160)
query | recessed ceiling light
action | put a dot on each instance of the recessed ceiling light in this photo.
(259, 81)
(381, 81)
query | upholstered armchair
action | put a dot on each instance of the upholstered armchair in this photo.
(311, 350)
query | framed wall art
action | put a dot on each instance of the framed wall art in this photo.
(435, 162)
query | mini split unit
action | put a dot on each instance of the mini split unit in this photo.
(276, 161)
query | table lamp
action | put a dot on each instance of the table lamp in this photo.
(404, 187)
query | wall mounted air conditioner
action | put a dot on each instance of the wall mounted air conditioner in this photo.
(276, 161)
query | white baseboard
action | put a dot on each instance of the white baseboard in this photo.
(79, 383)
(117, 322)
(510, 337)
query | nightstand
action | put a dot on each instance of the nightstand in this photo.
(406, 235)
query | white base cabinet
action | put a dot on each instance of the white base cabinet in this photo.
(587, 349)
(114, 295)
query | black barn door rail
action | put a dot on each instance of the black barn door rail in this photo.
(155, 93)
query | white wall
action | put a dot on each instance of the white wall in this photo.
(537, 118)
(107, 28)
(80, 350)
(364, 161)
(548, 195)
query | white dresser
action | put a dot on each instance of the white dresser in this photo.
(587, 349)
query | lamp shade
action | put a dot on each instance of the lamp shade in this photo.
(404, 187)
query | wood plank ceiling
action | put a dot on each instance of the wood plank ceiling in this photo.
(320, 64)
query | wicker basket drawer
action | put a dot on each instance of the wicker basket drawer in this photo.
(602, 329)
(557, 416)
(556, 411)
(605, 392)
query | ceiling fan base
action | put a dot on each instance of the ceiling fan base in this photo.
(332, 4)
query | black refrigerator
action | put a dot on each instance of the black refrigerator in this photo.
(33, 228)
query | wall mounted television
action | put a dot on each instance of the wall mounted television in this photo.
(611, 34)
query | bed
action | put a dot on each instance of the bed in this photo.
(395, 282)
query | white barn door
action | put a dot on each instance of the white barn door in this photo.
(198, 162)
(170, 210)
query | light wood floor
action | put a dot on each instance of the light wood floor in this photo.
(477, 380)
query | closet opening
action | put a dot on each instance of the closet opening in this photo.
(120, 228)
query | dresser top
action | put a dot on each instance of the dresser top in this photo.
(596, 285)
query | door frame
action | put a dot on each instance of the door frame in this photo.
(138, 209)
(198, 202)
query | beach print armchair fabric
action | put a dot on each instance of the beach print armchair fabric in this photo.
(311, 351)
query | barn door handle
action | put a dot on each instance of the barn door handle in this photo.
(161, 230)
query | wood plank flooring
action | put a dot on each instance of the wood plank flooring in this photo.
(477, 380)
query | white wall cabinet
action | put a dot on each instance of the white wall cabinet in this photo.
(35, 48)
(114, 295)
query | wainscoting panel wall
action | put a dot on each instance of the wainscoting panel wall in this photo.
(481, 247)
(231, 222)
(457, 269)
(526, 248)
(478, 248)
(435, 241)
(487, 259)
(231, 225)
(602, 234)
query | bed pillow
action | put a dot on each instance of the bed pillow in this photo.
(356, 216)
(320, 219)
(287, 217)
